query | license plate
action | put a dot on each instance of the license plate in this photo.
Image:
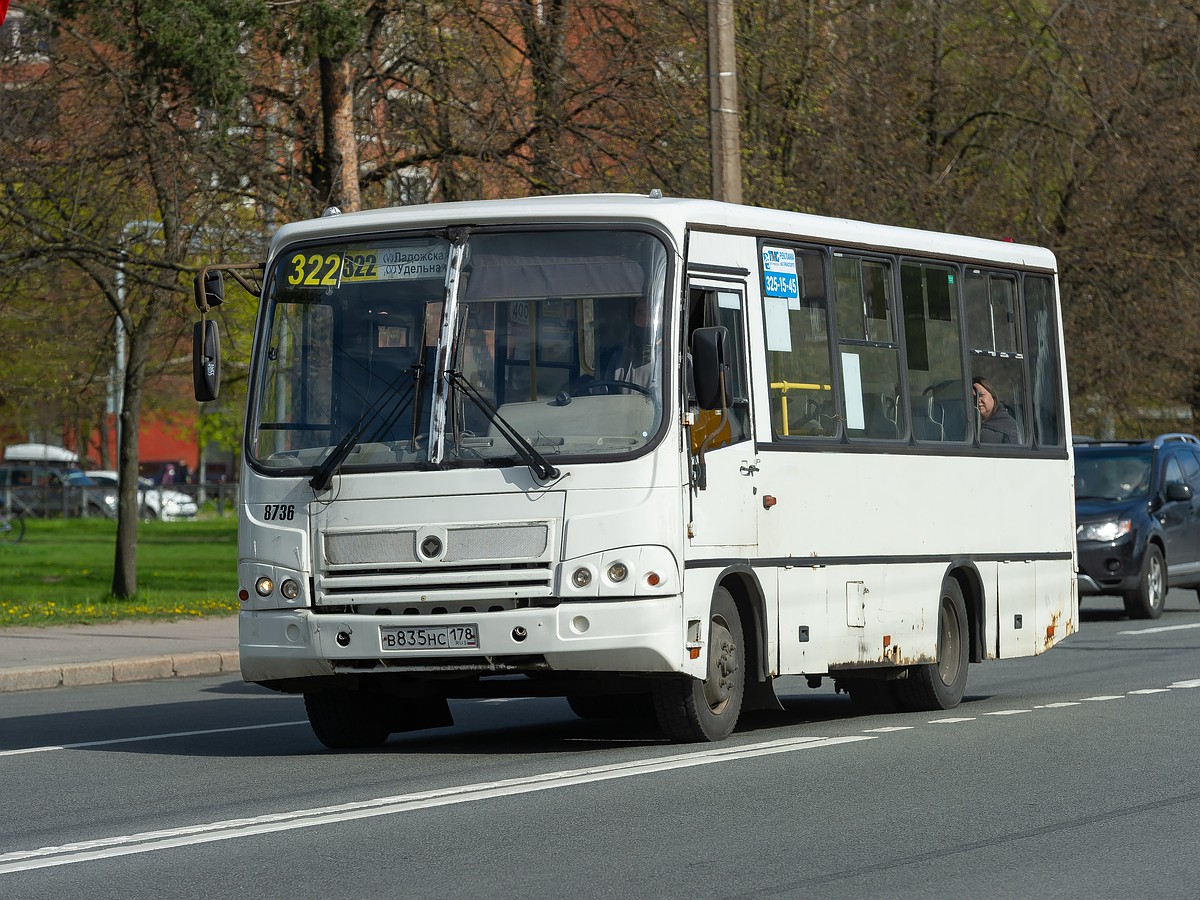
(429, 637)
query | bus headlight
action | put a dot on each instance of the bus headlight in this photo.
(264, 586)
(289, 589)
(649, 570)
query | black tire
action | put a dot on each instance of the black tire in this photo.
(940, 685)
(611, 706)
(346, 720)
(692, 711)
(1149, 598)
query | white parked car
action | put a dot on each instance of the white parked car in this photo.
(156, 502)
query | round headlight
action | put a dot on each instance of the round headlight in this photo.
(617, 572)
(289, 589)
(264, 586)
(581, 577)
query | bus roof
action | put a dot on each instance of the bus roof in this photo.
(675, 214)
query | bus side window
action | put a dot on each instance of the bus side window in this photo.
(994, 339)
(933, 345)
(708, 307)
(799, 360)
(1042, 331)
(869, 348)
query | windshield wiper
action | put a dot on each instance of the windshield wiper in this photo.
(529, 454)
(324, 475)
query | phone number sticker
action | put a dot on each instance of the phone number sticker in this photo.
(779, 273)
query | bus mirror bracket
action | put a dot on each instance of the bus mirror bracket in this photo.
(209, 284)
(209, 288)
(710, 366)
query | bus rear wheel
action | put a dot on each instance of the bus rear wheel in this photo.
(345, 719)
(692, 711)
(940, 685)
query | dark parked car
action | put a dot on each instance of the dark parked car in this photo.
(1137, 516)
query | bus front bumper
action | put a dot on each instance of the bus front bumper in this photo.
(630, 636)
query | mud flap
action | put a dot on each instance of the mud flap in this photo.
(761, 695)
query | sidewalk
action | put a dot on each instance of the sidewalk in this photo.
(73, 655)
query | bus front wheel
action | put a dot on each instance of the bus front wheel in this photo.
(940, 685)
(691, 711)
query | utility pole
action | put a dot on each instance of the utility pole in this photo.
(726, 148)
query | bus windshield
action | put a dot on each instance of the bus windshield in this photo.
(551, 340)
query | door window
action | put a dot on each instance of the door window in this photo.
(709, 306)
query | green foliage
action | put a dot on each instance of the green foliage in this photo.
(331, 28)
(192, 42)
(61, 572)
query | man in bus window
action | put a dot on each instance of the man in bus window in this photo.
(996, 425)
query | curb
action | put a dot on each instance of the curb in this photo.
(146, 668)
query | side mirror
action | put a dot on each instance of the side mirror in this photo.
(206, 360)
(1177, 490)
(210, 290)
(711, 368)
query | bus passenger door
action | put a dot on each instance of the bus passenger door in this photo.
(723, 511)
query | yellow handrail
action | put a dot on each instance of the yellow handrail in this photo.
(784, 386)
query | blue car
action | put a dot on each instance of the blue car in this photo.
(1137, 516)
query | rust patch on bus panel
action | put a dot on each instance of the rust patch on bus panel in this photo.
(891, 657)
(1053, 635)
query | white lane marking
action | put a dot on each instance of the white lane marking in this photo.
(1059, 705)
(1151, 691)
(1191, 683)
(888, 729)
(952, 720)
(1007, 712)
(1105, 697)
(123, 845)
(148, 737)
(1160, 628)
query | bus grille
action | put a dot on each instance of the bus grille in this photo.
(491, 566)
(471, 543)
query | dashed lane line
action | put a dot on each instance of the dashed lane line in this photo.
(147, 737)
(1161, 628)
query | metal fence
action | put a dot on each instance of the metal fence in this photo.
(80, 501)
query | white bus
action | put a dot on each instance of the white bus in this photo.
(645, 454)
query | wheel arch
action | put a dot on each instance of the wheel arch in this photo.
(970, 582)
(743, 585)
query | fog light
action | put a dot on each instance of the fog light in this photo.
(264, 586)
(289, 589)
(581, 578)
(617, 572)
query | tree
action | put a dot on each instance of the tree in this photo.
(115, 183)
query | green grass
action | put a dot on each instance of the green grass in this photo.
(61, 574)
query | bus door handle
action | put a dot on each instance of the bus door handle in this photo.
(748, 468)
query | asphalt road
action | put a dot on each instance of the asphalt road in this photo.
(1072, 774)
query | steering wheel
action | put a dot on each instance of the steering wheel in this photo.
(590, 388)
